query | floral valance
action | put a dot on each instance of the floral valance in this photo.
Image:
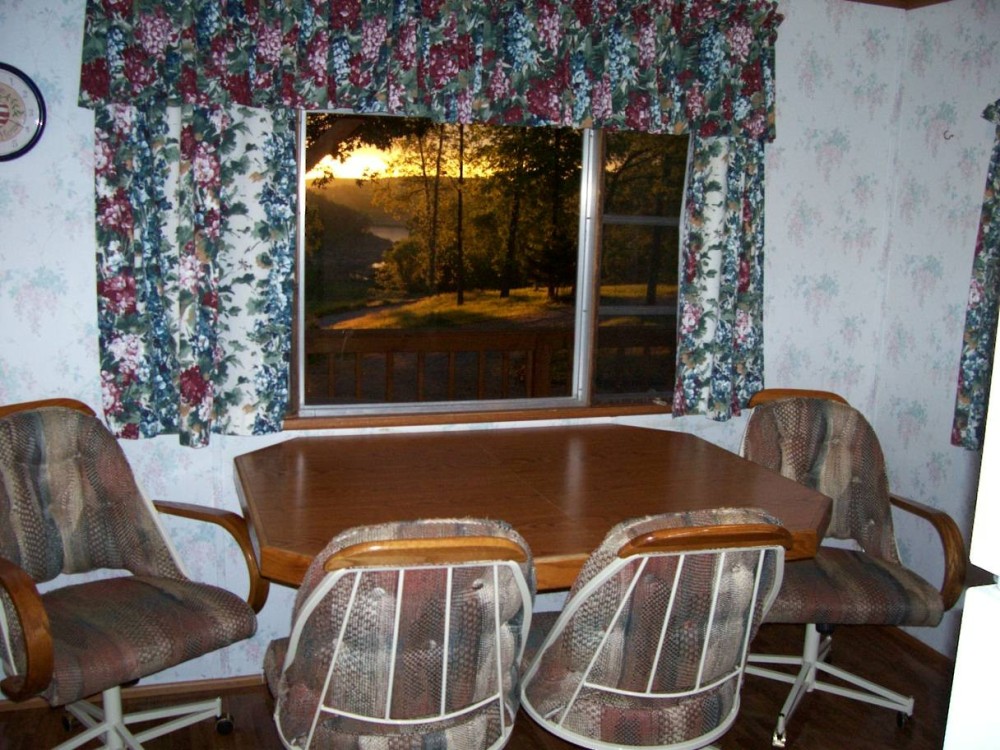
(698, 66)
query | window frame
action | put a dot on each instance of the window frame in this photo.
(577, 405)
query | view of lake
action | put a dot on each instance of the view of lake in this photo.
(391, 232)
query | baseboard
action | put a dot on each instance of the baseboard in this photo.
(160, 690)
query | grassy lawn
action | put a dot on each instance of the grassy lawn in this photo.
(481, 309)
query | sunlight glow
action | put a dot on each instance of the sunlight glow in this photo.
(360, 164)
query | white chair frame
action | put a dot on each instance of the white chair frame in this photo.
(112, 722)
(815, 652)
(331, 580)
(555, 725)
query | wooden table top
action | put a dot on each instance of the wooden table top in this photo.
(562, 488)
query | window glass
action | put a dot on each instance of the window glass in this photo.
(441, 267)
(636, 335)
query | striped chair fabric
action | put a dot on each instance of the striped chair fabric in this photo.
(414, 656)
(649, 651)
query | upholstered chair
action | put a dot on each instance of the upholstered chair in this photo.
(69, 505)
(650, 646)
(406, 635)
(858, 579)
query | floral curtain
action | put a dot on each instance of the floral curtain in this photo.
(195, 253)
(721, 282)
(981, 313)
(172, 84)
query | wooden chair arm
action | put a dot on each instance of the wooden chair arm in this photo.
(236, 525)
(694, 538)
(777, 394)
(35, 629)
(69, 403)
(429, 551)
(955, 559)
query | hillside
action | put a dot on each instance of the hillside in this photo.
(355, 196)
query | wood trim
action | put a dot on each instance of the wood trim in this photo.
(69, 403)
(778, 394)
(921, 651)
(696, 538)
(35, 633)
(161, 690)
(293, 422)
(426, 551)
(952, 542)
(237, 527)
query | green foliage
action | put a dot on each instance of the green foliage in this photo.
(520, 204)
(402, 268)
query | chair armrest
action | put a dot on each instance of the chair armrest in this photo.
(35, 629)
(236, 525)
(955, 559)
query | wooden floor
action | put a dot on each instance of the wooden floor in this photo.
(823, 721)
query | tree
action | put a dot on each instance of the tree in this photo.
(505, 154)
(459, 230)
(419, 166)
(553, 258)
(401, 269)
(644, 176)
(486, 206)
(314, 230)
(535, 173)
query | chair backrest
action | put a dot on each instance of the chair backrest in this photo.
(68, 500)
(830, 447)
(409, 635)
(651, 644)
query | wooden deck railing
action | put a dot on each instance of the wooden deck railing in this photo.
(418, 365)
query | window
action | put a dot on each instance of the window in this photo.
(451, 268)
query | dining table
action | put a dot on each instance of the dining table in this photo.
(561, 487)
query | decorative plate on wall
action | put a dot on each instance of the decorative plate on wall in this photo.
(22, 113)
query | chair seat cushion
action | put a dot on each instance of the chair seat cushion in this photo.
(848, 587)
(115, 631)
(274, 661)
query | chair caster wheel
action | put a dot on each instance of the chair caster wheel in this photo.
(224, 724)
(902, 719)
(69, 722)
(778, 739)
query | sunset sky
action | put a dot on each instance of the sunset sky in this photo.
(360, 163)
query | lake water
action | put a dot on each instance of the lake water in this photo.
(391, 232)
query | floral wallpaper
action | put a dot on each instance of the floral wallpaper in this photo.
(874, 187)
